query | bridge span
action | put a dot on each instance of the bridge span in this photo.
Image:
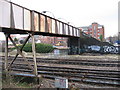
(15, 19)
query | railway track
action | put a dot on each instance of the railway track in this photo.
(73, 62)
(106, 77)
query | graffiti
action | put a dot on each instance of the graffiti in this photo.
(73, 50)
(94, 48)
(103, 49)
(110, 49)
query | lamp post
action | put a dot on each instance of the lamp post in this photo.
(9, 0)
(69, 23)
(64, 20)
(48, 12)
(53, 17)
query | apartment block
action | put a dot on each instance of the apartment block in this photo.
(95, 30)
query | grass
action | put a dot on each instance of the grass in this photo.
(17, 82)
(24, 85)
(16, 85)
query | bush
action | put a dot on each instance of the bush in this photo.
(28, 47)
(40, 48)
(11, 49)
(44, 48)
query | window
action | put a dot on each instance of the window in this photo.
(85, 31)
(94, 31)
(98, 30)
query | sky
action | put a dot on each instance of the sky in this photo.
(79, 12)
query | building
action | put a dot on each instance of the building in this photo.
(59, 41)
(115, 40)
(95, 30)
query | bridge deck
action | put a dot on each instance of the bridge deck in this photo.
(20, 20)
(18, 31)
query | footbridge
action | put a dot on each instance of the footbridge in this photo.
(15, 19)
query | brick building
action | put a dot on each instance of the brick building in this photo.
(95, 30)
(61, 41)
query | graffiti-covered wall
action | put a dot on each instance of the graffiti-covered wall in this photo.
(110, 49)
(103, 49)
(74, 45)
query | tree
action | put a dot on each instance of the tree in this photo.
(21, 41)
(101, 38)
(16, 40)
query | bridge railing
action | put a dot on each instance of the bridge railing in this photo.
(20, 18)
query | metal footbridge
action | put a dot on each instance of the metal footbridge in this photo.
(15, 19)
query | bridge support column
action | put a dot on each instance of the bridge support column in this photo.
(34, 54)
(19, 52)
(74, 45)
(6, 52)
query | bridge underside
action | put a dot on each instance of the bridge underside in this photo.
(74, 44)
(18, 31)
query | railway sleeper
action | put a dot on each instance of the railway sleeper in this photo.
(70, 75)
(71, 71)
(112, 83)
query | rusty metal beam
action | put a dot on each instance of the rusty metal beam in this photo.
(19, 51)
(33, 44)
(34, 55)
(26, 61)
(12, 61)
(25, 42)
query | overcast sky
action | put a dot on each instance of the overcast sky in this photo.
(79, 12)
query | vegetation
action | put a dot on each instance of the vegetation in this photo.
(15, 40)
(101, 38)
(28, 47)
(44, 48)
(10, 81)
(40, 48)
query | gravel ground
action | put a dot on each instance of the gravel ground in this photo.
(81, 66)
(107, 57)
(77, 57)
(47, 83)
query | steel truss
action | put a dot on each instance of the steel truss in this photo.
(19, 52)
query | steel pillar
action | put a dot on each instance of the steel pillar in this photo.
(6, 52)
(34, 55)
(79, 45)
(19, 52)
